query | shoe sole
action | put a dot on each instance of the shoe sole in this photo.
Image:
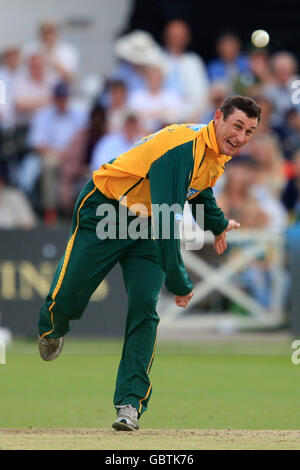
(59, 349)
(122, 426)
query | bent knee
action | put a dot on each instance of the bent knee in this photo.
(144, 301)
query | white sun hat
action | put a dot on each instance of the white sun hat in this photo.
(138, 48)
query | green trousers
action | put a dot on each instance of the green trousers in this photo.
(85, 263)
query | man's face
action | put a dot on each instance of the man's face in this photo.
(48, 33)
(12, 58)
(284, 69)
(177, 35)
(228, 48)
(235, 132)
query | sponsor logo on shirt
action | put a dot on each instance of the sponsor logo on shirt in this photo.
(192, 192)
(196, 127)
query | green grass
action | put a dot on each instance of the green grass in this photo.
(209, 385)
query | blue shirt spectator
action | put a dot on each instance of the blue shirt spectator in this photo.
(50, 133)
(231, 65)
(51, 128)
(220, 70)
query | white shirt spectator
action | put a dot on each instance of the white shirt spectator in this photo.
(155, 109)
(63, 53)
(7, 109)
(9, 71)
(186, 71)
(186, 75)
(27, 89)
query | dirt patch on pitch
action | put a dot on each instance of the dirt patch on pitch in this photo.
(148, 439)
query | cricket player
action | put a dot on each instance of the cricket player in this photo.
(181, 162)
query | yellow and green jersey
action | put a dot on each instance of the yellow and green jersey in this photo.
(195, 145)
(180, 162)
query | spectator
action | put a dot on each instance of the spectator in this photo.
(51, 131)
(266, 150)
(77, 158)
(219, 91)
(186, 72)
(12, 138)
(15, 210)
(155, 105)
(242, 198)
(32, 89)
(231, 65)
(9, 71)
(236, 199)
(260, 69)
(135, 51)
(113, 145)
(276, 149)
(239, 199)
(117, 105)
(284, 68)
(61, 58)
(265, 126)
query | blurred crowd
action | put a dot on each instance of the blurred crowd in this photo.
(51, 141)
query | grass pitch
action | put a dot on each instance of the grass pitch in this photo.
(212, 395)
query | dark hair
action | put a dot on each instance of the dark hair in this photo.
(228, 33)
(243, 103)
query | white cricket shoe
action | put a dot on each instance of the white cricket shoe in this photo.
(127, 419)
(50, 348)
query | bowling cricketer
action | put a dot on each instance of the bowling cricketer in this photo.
(181, 162)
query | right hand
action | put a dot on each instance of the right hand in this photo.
(183, 300)
(220, 243)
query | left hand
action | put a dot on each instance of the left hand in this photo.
(183, 300)
(220, 240)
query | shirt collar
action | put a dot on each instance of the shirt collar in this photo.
(211, 141)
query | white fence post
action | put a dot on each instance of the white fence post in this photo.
(2, 352)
